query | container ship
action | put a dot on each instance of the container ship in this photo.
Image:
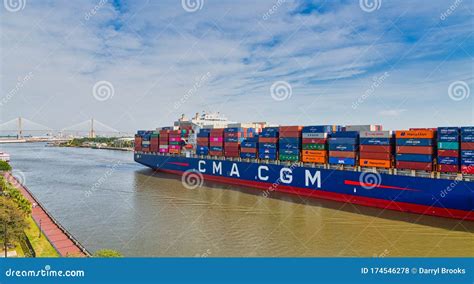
(427, 171)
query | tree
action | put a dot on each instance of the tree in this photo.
(12, 221)
(107, 253)
(5, 166)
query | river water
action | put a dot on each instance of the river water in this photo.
(106, 200)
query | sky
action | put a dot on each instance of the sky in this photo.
(141, 64)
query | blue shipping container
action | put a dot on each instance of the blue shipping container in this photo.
(467, 154)
(467, 130)
(448, 138)
(317, 129)
(268, 145)
(467, 161)
(216, 148)
(448, 161)
(342, 161)
(467, 138)
(375, 141)
(351, 141)
(414, 142)
(415, 158)
(233, 130)
(267, 156)
(270, 130)
(247, 144)
(202, 152)
(267, 150)
(289, 140)
(290, 151)
(289, 146)
(345, 134)
(448, 130)
(343, 147)
(248, 155)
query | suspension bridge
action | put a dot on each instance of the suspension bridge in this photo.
(21, 129)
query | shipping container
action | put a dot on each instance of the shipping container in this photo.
(414, 166)
(415, 158)
(376, 134)
(423, 150)
(342, 161)
(416, 134)
(375, 163)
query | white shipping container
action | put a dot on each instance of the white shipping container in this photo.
(371, 127)
(375, 134)
(315, 135)
(163, 146)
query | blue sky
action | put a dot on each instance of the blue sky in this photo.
(345, 63)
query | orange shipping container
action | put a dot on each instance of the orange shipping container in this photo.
(426, 133)
(375, 163)
(312, 159)
(342, 154)
(174, 151)
(290, 128)
(315, 153)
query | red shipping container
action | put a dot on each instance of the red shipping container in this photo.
(314, 141)
(375, 156)
(424, 150)
(232, 154)
(164, 132)
(234, 135)
(342, 154)
(467, 170)
(375, 148)
(290, 129)
(248, 150)
(415, 166)
(448, 153)
(267, 140)
(467, 145)
(217, 131)
(448, 168)
(216, 153)
(231, 144)
(218, 144)
(290, 134)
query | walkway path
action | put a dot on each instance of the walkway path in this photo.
(61, 239)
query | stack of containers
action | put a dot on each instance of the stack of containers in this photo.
(467, 150)
(146, 141)
(202, 144)
(186, 131)
(232, 138)
(343, 147)
(369, 127)
(289, 143)
(248, 148)
(216, 142)
(376, 149)
(154, 142)
(415, 149)
(268, 143)
(164, 136)
(174, 142)
(314, 143)
(138, 141)
(448, 149)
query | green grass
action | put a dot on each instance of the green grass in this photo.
(42, 246)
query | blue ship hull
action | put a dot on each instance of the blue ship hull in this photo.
(430, 196)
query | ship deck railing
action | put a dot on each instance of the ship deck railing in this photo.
(390, 171)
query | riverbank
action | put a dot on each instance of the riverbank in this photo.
(126, 149)
(52, 231)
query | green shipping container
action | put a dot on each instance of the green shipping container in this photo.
(448, 145)
(314, 146)
(292, 158)
(154, 135)
(174, 143)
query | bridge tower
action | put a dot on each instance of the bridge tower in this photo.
(20, 128)
(92, 131)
